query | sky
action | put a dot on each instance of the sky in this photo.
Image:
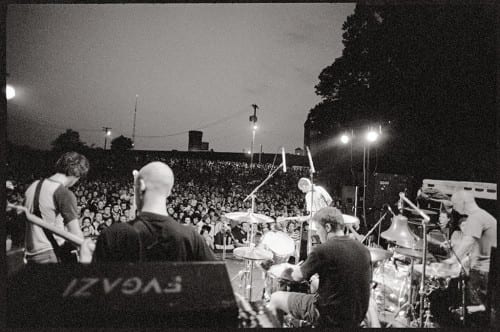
(193, 66)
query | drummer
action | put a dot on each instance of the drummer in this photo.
(344, 270)
(479, 236)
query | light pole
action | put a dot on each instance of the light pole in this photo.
(370, 137)
(107, 131)
(135, 115)
(253, 120)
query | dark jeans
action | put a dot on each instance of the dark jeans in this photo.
(477, 287)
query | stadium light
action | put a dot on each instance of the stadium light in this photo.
(371, 136)
(344, 139)
(10, 92)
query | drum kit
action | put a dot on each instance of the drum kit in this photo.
(396, 280)
(395, 291)
(274, 248)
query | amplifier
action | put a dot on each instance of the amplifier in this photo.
(122, 295)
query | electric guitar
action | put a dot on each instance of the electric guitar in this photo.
(71, 255)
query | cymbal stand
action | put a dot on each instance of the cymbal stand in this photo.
(422, 292)
(251, 237)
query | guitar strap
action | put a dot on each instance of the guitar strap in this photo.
(36, 212)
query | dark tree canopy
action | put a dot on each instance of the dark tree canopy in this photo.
(68, 141)
(121, 143)
(430, 71)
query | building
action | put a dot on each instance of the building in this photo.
(194, 143)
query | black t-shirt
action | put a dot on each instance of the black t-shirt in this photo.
(344, 269)
(239, 234)
(161, 239)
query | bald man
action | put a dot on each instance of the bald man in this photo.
(152, 235)
(479, 235)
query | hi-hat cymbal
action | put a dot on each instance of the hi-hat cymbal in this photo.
(253, 253)
(378, 254)
(252, 218)
(423, 210)
(413, 253)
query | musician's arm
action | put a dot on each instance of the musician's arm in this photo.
(65, 202)
(355, 234)
(462, 249)
(74, 227)
(326, 195)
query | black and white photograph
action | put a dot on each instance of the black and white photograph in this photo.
(251, 165)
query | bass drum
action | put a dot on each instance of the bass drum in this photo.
(392, 288)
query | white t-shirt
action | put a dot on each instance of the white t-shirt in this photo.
(320, 199)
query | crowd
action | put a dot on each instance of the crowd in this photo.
(203, 192)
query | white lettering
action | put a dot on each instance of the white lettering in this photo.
(131, 286)
(70, 287)
(89, 282)
(109, 287)
(152, 284)
(174, 287)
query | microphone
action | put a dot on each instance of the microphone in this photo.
(388, 207)
(400, 203)
(311, 165)
(283, 158)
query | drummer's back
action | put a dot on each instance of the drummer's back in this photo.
(345, 275)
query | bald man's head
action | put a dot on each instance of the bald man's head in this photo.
(156, 177)
(461, 200)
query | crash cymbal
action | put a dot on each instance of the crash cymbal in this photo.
(415, 212)
(378, 254)
(252, 253)
(348, 219)
(252, 218)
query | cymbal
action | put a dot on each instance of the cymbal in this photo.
(378, 254)
(348, 219)
(413, 253)
(423, 210)
(252, 218)
(253, 253)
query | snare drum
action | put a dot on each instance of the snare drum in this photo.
(276, 280)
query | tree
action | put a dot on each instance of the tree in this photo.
(427, 69)
(121, 143)
(68, 141)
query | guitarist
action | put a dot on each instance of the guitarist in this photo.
(51, 200)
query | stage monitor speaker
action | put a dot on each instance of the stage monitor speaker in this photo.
(385, 188)
(122, 295)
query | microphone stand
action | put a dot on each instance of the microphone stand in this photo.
(424, 255)
(373, 228)
(309, 229)
(251, 236)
